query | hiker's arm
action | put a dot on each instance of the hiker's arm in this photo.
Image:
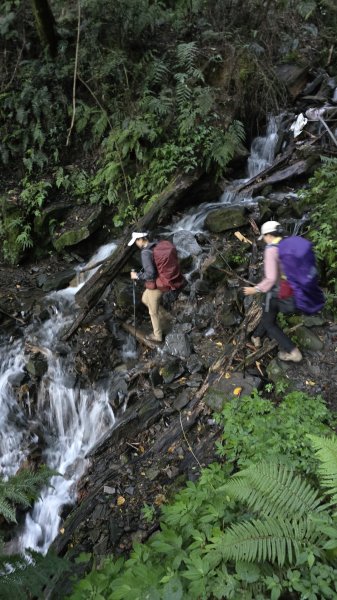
(149, 272)
(271, 273)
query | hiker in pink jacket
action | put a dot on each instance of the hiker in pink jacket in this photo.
(270, 285)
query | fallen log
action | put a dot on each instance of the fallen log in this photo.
(139, 335)
(92, 290)
(294, 170)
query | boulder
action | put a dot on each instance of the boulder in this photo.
(78, 227)
(224, 389)
(226, 218)
(294, 77)
(56, 281)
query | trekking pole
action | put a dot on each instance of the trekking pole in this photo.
(134, 301)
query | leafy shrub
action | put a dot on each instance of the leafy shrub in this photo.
(263, 533)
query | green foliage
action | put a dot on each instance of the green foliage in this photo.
(16, 225)
(254, 428)
(321, 197)
(262, 533)
(25, 577)
(21, 490)
(326, 450)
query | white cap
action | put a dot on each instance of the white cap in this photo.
(269, 227)
(136, 236)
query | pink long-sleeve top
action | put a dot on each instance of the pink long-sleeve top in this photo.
(272, 272)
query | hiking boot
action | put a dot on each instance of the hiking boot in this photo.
(153, 338)
(294, 356)
(256, 341)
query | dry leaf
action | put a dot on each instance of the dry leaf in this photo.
(120, 501)
(219, 344)
(227, 375)
(159, 499)
(62, 530)
(309, 382)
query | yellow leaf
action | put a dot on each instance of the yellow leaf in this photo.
(120, 501)
(159, 499)
(237, 391)
(219, 344)
(227, 375)
(309, 382)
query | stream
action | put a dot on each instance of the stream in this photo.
(72, 420)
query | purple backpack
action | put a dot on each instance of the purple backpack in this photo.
(299, 266)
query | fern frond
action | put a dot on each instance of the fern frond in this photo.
(186, 54)
(6, 510)
(274, 490)
(22, 489)
(326, 451)
(273, 540)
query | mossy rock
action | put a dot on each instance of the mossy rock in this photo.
(307, 339)
(226, 218)
(80, 224)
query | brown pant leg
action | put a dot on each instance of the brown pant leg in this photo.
(151, 299)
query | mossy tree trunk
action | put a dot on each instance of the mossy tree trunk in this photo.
(45, 25)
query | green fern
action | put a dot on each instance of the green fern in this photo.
(326, 451)
(274, 491)
(26, 577)
(274, 540)
(22, 489)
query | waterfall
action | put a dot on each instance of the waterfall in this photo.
(262, 150)
(261, 156)
(72, 419)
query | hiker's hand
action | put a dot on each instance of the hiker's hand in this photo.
(133, 275)
(249, 291)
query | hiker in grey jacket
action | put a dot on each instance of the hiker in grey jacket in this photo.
(270, 233)
(152, 295)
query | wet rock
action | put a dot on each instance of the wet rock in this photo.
(277, 373)
(158, 393)
(171, 371)
(194, 364)
(186, 243)
(314, 320)
(57, 281)
(229, 317)
(199, 287)
(109, 490)
(37, 365)
(177, 344)
(181, 400)
(213, 270)
(294, 78)
(156, 377)
(226, 218)
(236, 385)
(308, 339)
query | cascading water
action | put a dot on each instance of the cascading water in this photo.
(262, 155)
(72, 419)
(262, 150)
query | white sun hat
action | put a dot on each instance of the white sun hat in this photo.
(269, 227)
(136, 236)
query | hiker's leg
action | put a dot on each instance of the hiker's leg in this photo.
(151, 298)
(272, 329)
